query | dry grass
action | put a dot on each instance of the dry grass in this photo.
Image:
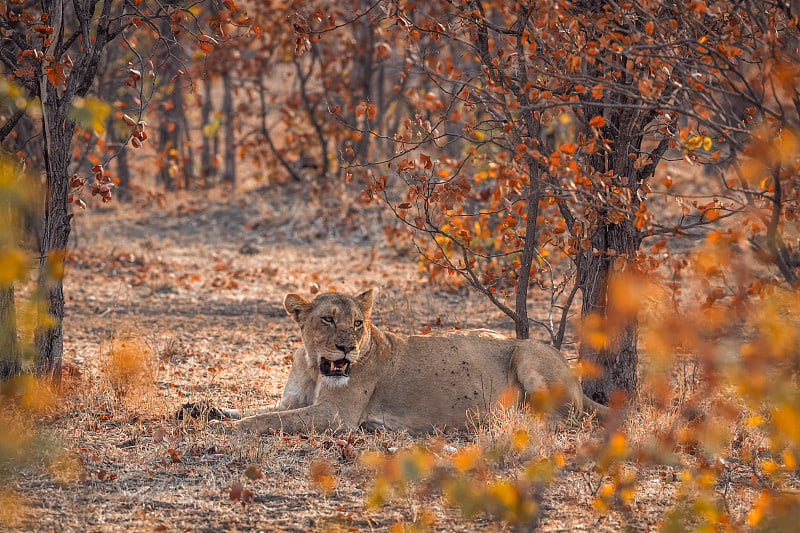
(177, 313)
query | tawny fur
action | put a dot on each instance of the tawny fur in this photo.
(415, 383)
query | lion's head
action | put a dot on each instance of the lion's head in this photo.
(335, 330)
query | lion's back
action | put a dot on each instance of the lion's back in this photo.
(433, 380)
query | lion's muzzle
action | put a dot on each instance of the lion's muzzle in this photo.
(339, 368)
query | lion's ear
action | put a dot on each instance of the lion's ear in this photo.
(364, 300)
(297, 307)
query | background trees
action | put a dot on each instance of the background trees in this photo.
(53, 50)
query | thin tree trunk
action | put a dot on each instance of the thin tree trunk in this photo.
(529, 251)
(9, 347)
(183, 138)
(229, 175)
(169, 129)
(207, 170)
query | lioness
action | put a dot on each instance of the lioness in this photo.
(348, 372)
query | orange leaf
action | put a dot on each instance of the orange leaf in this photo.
(55, 73)
(568, 148)
(598, 121)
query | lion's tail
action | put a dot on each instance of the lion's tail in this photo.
(591, 407)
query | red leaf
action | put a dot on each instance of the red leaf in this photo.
(236, 491)
(426, 160)
(55, 73)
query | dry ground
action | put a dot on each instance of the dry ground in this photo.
(196, 288)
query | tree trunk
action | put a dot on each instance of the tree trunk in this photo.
(207, 170)
(9, 347)
(229, 175)
(169, 129)
(183, 138)
(49, 336)
(617, 356)
(529, 251)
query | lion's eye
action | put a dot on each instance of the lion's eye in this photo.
(358, 323)
(327, 319)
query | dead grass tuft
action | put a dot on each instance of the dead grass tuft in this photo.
(12, 507)
(128, 367)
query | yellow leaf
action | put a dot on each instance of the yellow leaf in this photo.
(606, 490)
(12, 265)
(559, 460)
(90, 113)
(55, 264)
(769, 466)
(540, 471)
(785, 419)
(789, 460)
(210, 129)
(597, 340)
(600, 505)
(505, 492)
(695, 142)
(755, 420)
(467, 458)
(627, 494)
(618, 445)
(520, 439)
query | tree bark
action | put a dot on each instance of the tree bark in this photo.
(58, 131)
(618, 358)
(9, 347)
(529, 251)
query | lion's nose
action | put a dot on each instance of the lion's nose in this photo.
(345, 348)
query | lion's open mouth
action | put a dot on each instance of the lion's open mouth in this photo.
(340, 367)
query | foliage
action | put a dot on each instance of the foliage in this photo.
(522, 147)
(529, 161)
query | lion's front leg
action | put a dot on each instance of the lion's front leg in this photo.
(301, 385)
(320, 417)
